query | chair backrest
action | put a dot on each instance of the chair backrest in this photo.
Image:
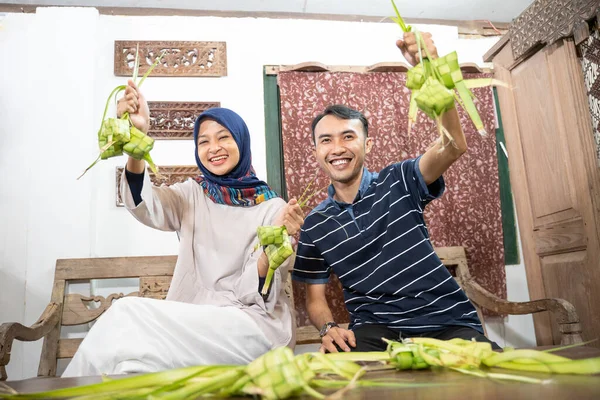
(155, 274)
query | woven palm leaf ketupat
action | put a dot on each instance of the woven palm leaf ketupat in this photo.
(118, 135)
(277, 242)
(436, 83)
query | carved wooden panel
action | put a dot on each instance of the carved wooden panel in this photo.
(155, 287)
(546, 21)
(77, 309)
(175, 119)
(545, 155)
(181, 58)
(561, 237)
(590, 51)
(170, 174)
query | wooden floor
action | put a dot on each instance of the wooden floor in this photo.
(453, 385)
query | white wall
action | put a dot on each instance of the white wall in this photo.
(56, 71)
(514, 330)
(47, 108)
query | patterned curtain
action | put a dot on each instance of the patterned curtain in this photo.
(467, 215)
(590, 51)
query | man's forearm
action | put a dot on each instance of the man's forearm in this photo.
(442, 155)
(451, 121)
(319, 313)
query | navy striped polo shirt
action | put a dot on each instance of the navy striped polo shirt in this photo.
(379, 248)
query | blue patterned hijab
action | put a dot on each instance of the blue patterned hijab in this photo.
(240, 187)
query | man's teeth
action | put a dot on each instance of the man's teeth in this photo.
(218, 158)
(340, 162)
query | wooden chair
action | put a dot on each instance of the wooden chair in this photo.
(155, 275)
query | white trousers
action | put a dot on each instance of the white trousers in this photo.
(146, 335)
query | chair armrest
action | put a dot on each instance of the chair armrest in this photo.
(563, 311)
(13, 330)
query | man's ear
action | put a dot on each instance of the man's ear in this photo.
(369, 142)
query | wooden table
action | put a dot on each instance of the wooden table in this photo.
(455, 384)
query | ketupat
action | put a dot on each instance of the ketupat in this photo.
(472, 358)
(139, 147)
(276, 241)
(435, 100)
(118, 135)
(452, 77)
(278, 374)
(277, 247)
(432, 76)
(116, 132)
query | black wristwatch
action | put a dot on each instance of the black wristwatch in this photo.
(326, 328)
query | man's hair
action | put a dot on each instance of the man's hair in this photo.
(341, 112)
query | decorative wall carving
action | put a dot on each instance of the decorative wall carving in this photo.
(170, 174)
(175, 119)
(180, 59)
(546, 21)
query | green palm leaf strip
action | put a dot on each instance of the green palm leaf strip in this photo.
(278, 374)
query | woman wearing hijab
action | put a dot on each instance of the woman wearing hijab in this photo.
(214, 312)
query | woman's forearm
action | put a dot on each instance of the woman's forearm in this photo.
(136, 166)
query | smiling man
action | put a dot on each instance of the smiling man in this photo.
(371, 233)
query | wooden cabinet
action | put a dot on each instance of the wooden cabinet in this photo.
(553, 164)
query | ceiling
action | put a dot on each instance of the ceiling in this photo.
(467, 10)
